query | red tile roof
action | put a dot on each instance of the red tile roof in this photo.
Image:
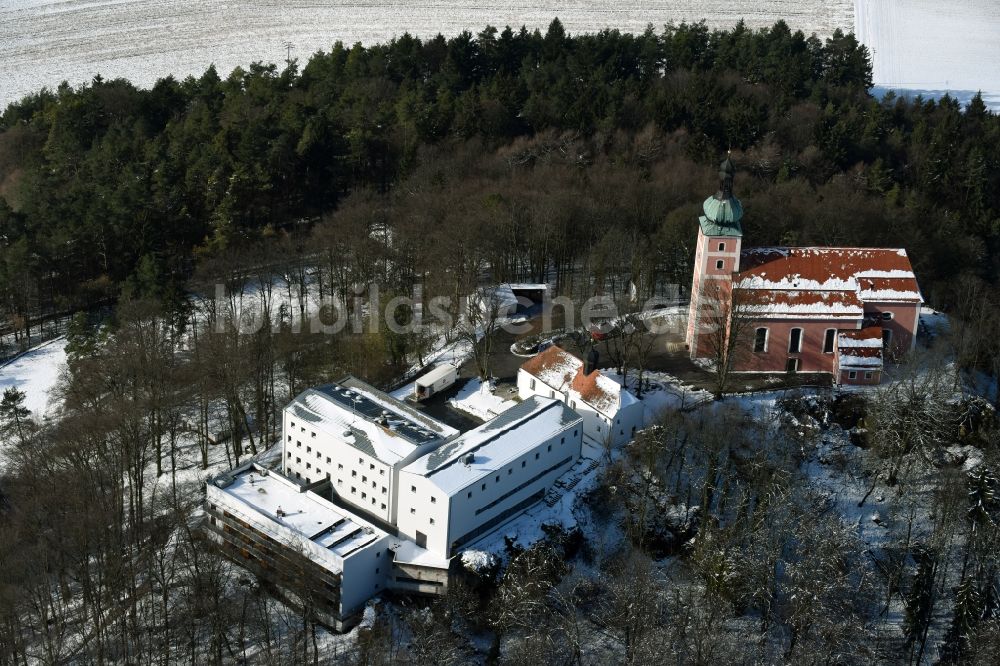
(806, 280)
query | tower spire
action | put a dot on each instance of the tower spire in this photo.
(727, 171)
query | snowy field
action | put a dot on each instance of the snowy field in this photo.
(35, 373)
(43, 42)
(929, 47)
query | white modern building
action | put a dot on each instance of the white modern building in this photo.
(299, 541)
(466, 488)
(404, 492)
(358, 438)
(611, 414)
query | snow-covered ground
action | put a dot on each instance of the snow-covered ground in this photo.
(44, 42)
(928, 47)
(35, 372)
(477, 399)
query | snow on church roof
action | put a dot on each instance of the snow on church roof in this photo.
(805, 280)
(560, 370)
(493, 444)
(776, 303)
(860, 348)
(367, 419)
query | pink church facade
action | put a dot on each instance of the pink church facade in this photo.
(842, 311)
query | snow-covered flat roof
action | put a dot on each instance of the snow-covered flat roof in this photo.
(494, 444)
(368, 419)
(407, 552)
(287, 513)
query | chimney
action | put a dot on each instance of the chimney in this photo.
(591, 363)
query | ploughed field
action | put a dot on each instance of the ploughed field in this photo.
(43, 42)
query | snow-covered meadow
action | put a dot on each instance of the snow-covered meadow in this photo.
(44, 42)
(926, 47)
(35, 373)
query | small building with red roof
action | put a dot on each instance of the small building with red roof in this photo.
(841, 310)
(611, 414)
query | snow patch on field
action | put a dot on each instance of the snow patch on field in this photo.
(919, 47)
(44, 42)
(35, 372)
(477, 399)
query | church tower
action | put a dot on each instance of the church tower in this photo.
(716, 258)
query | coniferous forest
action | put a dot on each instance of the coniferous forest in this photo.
(508, 155)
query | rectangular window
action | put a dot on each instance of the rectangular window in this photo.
(886, 316)
(309, 449)
(434, 500)
(523, 463)
(722, 247)
(412, 510)
(795, 341)
(760, 340)
(354, 490)
(549, 448)
(313, 434)
(868, 375)
(328, 461)
(413, 489)
(886, 338)
(432, 521)
(719, 264)
(852, 375)
(340, 466)
(531, 384)
(536, 455)
(828, 340)
(383, 507)
(470, 494)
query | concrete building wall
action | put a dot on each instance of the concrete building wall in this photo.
(357, 478)
(495, 498)
(423, 512)
(436, 520)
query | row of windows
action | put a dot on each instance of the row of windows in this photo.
(853, 374)
(762, 335)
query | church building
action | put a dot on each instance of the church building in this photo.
(838, 310)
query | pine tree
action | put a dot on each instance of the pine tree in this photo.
(13, 413)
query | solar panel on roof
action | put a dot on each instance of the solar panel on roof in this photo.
(373, 411)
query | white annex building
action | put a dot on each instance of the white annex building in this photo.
(611, 414)
(405, 491)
